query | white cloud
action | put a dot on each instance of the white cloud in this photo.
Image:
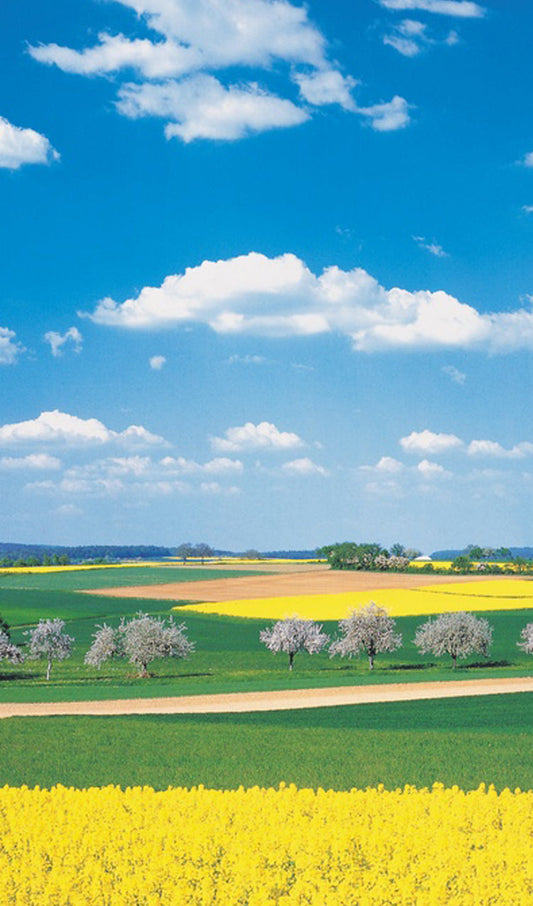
(263, 436)
(429, 442)
(201, 107)
(527, 208)
(246, 360)
(409, 37)
(59, 427)
(281, 297)
(461, 8)
(528, 159)
(389, 116)
(33, 461)
(304, 466)
(213, 487)
(458, 377)
(172, 71)
(496, 450)
(57, 340)
(326, 86)
(431, 469)
(389, 464)
(10, 349)
(432, 247)
(221, 465)
(23, 146)
(157, 362)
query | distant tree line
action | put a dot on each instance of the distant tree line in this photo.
(367, 556)
(43, 555)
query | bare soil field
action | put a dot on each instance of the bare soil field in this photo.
(306, 580)
(272, 701)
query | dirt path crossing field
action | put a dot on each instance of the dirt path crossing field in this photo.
(272, 701)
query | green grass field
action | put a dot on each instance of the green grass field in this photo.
(110, 577)
(228, 656)
(465, 741)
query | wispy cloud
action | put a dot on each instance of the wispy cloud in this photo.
(157, 362)
(432, 247)
(57, 340)
(463, 9)
(20, 146)
(458, 377)
(10, 348)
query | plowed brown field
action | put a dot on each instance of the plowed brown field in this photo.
(317, 580)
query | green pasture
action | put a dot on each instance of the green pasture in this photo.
(464, 741)
(114, 577)
(228, 656)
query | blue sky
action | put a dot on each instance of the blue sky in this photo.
(266, 272)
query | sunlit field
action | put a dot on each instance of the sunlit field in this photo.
(496, 594)
(138, 847)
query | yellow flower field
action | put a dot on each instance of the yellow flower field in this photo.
(265, 847)
(77, 568)
(496, 594)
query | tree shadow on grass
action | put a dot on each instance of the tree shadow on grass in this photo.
(480, 664)
(396, 667)
(5, 677)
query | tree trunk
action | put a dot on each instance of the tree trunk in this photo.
(48, 669)
(454, 658)
(144, 670)
(291, 659)
(371, 661)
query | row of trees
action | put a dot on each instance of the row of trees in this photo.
(140, 641)
(371, 630)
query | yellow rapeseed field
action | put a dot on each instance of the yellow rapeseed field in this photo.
(265, 847)
(496, 594)
(77, 568)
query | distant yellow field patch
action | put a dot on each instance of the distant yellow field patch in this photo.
(73, 568)
(400, 602)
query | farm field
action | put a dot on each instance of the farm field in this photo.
(459, 743)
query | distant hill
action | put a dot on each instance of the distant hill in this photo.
(525, 552)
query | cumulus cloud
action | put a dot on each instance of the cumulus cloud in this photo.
(141, 476)
(201, 107)
(263, 436)
(389, 116)
(281, 297)
(34, 461)
(304, 466)
(494, 449)
(173, 68)
(387, 465)
(429, 442)
(430, 470)
(326, 86)
(461, 8)
(23, 146)
(60, 428)
(157, 362)
(57, 340)
(10, 349)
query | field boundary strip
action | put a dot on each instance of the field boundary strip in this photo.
(278, 700)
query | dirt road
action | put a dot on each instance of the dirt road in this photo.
(273, 701)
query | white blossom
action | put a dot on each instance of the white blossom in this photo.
(292, 635)
(140, 640)
(457, 634)
(527, 639)
(8, 651)
(48, 640)
(368, 629)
